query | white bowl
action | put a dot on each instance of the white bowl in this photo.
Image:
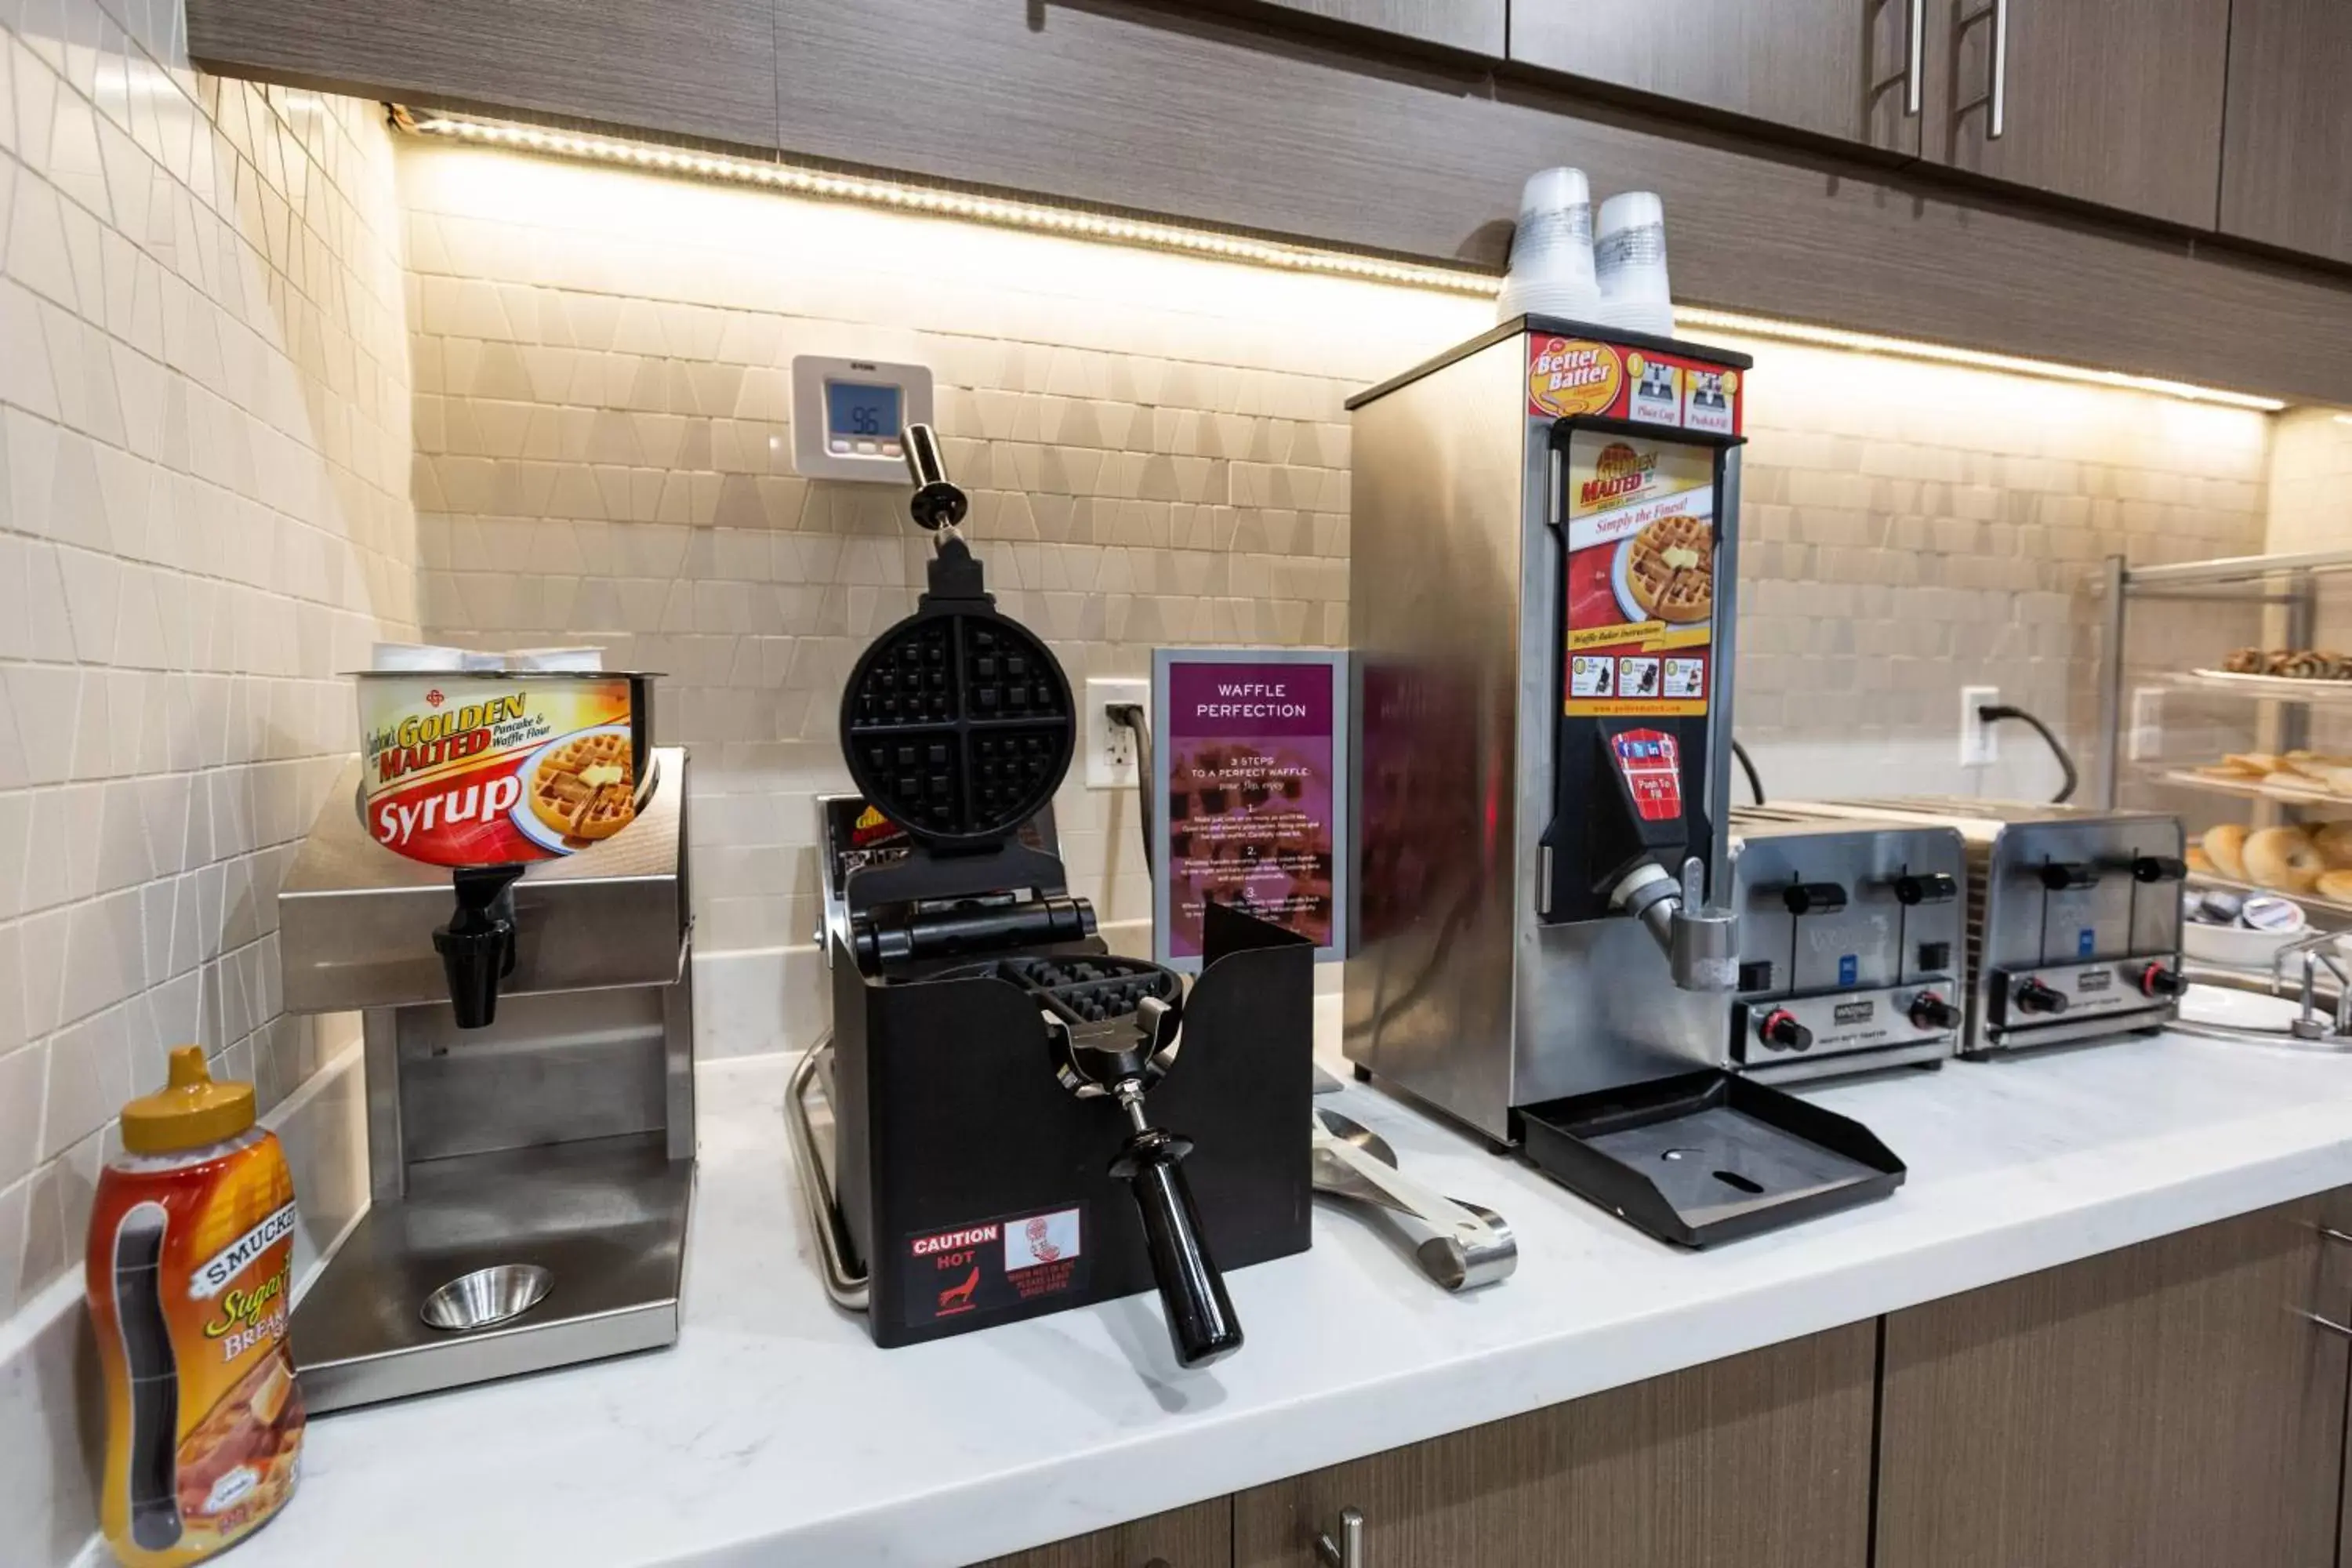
(2236, 947)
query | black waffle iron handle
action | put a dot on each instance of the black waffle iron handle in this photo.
(1119, 1063)
(1201, 1321)
(937, 503)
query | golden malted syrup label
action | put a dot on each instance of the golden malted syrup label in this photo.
(481, 770)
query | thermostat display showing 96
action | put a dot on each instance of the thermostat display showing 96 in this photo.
(848, 414)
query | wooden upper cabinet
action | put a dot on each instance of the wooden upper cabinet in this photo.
(1760, 1461)
(2286, 159)
(2113, 101)
(2161, 1407)
(1473, 26)
(1835, 68)
(705, 68)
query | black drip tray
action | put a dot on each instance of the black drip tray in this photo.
(1708, 1156)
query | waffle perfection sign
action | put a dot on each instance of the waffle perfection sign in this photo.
(1249, 793)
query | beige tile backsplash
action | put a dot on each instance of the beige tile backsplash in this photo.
(204, 514)
(1159, 454)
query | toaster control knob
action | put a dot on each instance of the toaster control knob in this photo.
(1929, 1011)
(1926, 888)
(2159, 868)
(2063, 876)
(2161, 980)
(1813, 898)
(1781, 1032)
(2032, 996)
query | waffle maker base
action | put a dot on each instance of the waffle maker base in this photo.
(976, 1189)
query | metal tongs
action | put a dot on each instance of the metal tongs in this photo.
(1459, 1245)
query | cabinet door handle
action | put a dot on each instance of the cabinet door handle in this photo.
(2329, 1233)
(1994, 100)
(1915, 66)
(2342, 1330)
(1914, 72)
(1347, 1551)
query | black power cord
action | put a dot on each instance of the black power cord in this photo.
(1993, 712)
(1132, 716)
(1747, 766)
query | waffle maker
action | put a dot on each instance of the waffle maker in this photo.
(976, 1013)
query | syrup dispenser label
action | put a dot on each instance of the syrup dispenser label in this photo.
(1639, 528)
(992, 1266)
(485, 770)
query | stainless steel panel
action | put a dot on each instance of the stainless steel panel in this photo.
(607, 1218)
(576, 1064)
(678, 1065)
(356, 920)
(1802, 1070)
(380, 1040)
(1443, 843)
(1597, 1010)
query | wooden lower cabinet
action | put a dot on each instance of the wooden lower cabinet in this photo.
(1201, 1536)
(1760, 1461)
(2163, 1405)
(2158, 1406)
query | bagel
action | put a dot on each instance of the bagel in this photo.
(2253, 764)
(2283, 859)
(2226, 847)
(2334, 842)
(2199, 862)
(2335, 885)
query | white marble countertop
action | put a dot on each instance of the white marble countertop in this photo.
(775, 1433)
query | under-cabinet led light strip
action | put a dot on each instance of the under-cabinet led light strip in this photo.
(1045, 217)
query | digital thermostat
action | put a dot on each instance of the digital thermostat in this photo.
(847, 413)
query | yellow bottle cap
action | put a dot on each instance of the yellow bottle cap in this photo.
(191, 1111)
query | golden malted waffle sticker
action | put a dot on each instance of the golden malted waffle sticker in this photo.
(1640, 576)
(485, 770)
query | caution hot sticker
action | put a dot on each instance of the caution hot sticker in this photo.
(993, 1266)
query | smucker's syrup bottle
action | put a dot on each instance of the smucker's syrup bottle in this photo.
(189, 1264)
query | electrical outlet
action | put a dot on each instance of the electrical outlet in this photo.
(1111, 748)
(2147, 724)
(1980, 741)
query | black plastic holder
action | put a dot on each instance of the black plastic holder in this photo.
(1707, 1157)
(977, 1190)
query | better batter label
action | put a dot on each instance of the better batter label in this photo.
(1571, 376)
(484, 769)
(1640, 576)
(992, 1266)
